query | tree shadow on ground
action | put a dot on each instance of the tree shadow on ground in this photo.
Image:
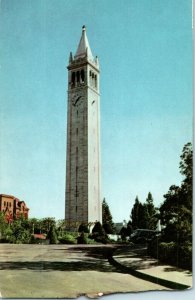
(100, 252)
(91, 259)
(80, 265)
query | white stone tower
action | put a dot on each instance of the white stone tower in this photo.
(83, 201)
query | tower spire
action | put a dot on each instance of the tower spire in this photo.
(83, 47)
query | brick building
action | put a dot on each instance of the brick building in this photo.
(12, 207)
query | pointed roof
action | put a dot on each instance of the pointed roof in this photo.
(83, 47)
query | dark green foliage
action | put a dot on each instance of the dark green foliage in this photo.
(82, 239)
(98, 234)
(176, 211)
(135, 214)
(151, 212)
(98, 229)
(186, 166)
(52, 235)
(171, 253)
(108, 228)
(144, 216)
(83, 228)
(139, 215)
(107, 218)
(35, 225)
(20, 232)
(67, 238)
(46, 224)
(129, 228)
(175, 243)
(3, 227)
(123, 233)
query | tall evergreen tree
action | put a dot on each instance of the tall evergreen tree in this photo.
(135, 214)
(107, 221)
(152, 219)
(139, 215)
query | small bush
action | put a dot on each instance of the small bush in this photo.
(98, 229)
(82, 239)
(167, 252)
(52, 235)
(68, 238)
(185, 256)
(83, 228)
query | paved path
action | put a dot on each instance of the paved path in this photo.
(62, 271)
(137, 259)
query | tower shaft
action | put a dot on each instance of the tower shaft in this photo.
(83, 200)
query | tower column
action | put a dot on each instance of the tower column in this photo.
(83, 200)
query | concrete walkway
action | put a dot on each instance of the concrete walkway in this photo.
(136, 260)
(64, 271)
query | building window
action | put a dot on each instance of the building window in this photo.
(4, 203)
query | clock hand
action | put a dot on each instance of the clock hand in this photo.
(77, 100)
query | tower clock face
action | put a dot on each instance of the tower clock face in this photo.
(77, 99)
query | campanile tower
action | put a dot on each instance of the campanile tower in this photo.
(83, 202)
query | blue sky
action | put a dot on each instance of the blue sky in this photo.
(145, 53)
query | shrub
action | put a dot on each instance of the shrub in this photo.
(52, 235)
(172, 253)
(108, 228)
(82, 239)
(152, 248)
(83, 228)
(185, 256)
(67, 238)
(167, 252)
(98, 229)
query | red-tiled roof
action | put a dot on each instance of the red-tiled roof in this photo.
(39, 236)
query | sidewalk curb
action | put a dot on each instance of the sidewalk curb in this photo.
(166, 283)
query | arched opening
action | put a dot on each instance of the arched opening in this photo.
(78, 76)
(82, 76)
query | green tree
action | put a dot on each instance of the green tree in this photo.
(46, 223)
(177, 206)
(21, 233)
(83, 228)
(98, 229)
(135, 214)
(186, 169)
(152, 212)
(34, 225)
(52, 235)
(176, 212)
(3, 226)
(107, 221)
(139, 215)
(143, 216)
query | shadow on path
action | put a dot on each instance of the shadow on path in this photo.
(88, 259)
(80, 265)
